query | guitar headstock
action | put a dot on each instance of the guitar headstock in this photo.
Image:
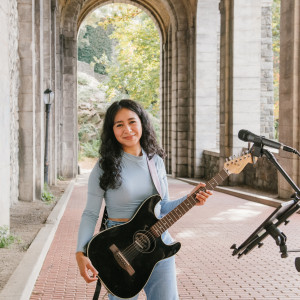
(236, 164)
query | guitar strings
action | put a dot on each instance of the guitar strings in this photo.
(133, 249)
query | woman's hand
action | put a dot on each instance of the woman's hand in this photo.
(85, 265)
(201, 196)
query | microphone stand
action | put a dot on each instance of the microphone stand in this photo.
(279, 216)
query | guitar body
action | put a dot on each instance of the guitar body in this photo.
(125, 255)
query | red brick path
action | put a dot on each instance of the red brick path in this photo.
(206, 269)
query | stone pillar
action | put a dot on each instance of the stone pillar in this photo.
(166, 100)
(289, 95)
(226, 79)
(54, 130)
(240, 74)
(179, 105)
(39, 103)
(191, 93)
(267, 91)
(14, 65)
(27, 99)
(69, 107)
(4, 115)
(208, 22)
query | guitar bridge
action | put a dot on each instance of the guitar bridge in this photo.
(121, 260)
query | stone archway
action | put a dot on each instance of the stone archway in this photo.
(176, 23)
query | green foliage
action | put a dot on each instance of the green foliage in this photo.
(82, 80)
(93, 42)
(6, 239)
(90, 149)
(47, 196)
(135, 71)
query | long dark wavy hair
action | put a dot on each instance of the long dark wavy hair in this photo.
(111, 150)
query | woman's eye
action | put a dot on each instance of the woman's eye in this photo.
(119, 125)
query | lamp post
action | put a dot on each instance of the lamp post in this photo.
(48, 98)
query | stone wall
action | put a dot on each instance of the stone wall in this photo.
(210, 164)
(9, 85)
(14, 62)
(262, 175)
(4, 115)
(266, 94)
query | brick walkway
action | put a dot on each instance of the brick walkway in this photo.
(206, 269)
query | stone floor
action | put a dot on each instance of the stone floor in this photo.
(206, 268)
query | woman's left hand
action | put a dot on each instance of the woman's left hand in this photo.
(201, 196)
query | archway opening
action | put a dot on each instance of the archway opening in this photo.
(119, 49)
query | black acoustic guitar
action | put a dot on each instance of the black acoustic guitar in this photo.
(125, 255)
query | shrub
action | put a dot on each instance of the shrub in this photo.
(6, 239)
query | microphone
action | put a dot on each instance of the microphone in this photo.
(248, 136)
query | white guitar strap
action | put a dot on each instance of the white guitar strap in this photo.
(153, 172)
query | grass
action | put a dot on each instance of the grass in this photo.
(47, 196)
(6, 239)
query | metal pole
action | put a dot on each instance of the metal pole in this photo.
(46, 163)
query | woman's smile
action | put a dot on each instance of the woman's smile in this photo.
(128, 130)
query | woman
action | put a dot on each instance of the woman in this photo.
(122, 177)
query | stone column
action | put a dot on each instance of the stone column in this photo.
(166, 102)
(179, 106)
(246, 70)
(69, 106)
(289, 95)
(4, 115)
(267, 91)
(27, 100)
(55, 116)
(14, 65)
(208, 22)
(39, 103)
(226, 79)
(240, 74)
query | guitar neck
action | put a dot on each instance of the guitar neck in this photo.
(168, 220)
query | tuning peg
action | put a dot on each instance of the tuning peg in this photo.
(233, 247)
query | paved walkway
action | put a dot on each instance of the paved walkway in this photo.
(206, 269)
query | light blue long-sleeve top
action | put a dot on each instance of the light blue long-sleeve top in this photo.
(136, 186)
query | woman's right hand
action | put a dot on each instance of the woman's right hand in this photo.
(85, 265)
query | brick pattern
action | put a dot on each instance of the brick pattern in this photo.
(205, 267)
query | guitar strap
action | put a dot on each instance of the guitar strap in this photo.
(102, 227)
(154, 176)
(153, 172)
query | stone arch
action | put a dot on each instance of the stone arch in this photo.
(157, 18)
(176, 24)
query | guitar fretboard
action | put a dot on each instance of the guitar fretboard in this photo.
(168, 220)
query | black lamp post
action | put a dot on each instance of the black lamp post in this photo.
(48, 98)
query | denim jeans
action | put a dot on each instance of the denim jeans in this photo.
(162, 284)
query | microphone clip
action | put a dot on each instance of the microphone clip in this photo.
(257, 149)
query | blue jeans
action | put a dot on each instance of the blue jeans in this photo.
(162, 284)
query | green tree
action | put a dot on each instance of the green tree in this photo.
(93, 42)
(134, 72)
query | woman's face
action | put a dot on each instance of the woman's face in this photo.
(128, 130)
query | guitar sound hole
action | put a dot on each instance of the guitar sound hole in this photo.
(142, 241)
